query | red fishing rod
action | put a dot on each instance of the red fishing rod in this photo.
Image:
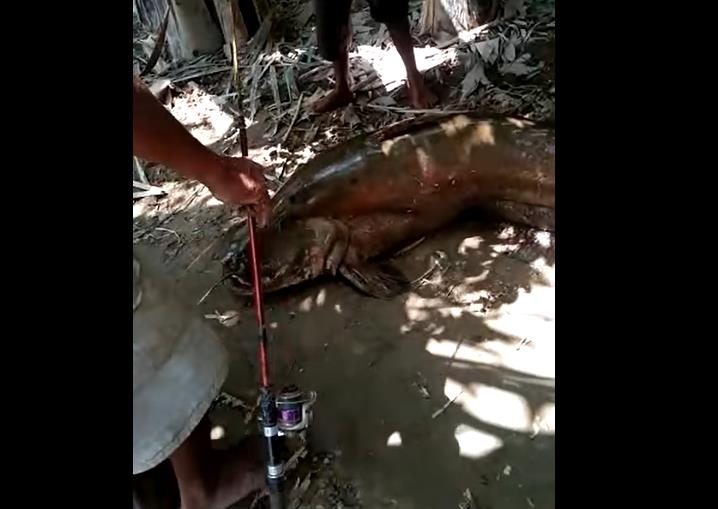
(291, 412)
(274, 465)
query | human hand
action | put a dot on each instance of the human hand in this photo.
(240, 181)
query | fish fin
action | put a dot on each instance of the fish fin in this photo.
(383, 281)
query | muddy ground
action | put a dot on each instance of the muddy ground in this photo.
(477, 332)
(441, 398)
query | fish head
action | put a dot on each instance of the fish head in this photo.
(296, 252)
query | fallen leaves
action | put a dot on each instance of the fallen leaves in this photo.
(475, 77)
(519, 67)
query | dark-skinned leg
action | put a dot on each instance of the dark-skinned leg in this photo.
(209, 479)
(333, 38)
(395, 15)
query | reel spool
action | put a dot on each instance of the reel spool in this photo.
(294, 409)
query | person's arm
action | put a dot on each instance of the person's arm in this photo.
(159, 137)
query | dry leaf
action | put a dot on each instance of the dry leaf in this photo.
(379, 37)
(350, 117)
(518, 67)
(305, 14)
(510, 52)
(384, 100)
(473, 79)
(488, 49)
(502, 98)
(359, 18)
(290, 82)
(311, 134)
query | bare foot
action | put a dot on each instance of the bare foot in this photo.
(420, 95)
(340, 96)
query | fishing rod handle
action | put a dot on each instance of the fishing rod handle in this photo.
(276, 500)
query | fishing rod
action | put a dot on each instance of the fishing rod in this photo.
(290, 412)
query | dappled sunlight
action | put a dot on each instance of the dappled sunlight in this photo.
(517, 323)
(419, 309)
(216, 433)
(535, 360)
(498, 407)
(312, 302)
(270, 156)
(540, 301)
(547, 271)
(545, 420)
(389, 67)
(474, 443)
(321, 297)
(470, 244)
(394, 440)
(199, 112)
(450, 349)
(306, 304)
(178, 192)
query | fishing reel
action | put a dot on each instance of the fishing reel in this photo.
(289, 414)
(294, 410)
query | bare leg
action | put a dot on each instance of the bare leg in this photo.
(209, 479)
(342, 94)
(419, 93)
(333, 38)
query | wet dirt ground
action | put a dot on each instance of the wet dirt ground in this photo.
(445, 389)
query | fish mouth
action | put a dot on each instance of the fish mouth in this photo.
(240, 279)
(290, 257)
(236, 273)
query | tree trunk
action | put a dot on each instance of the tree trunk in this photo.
(248, 15)
(191, 30)
(449, 17)
(198, 32)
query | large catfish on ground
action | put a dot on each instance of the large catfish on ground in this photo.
(365, 199)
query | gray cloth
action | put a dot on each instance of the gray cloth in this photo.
(179, 366)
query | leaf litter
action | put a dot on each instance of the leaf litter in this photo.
(282, 62)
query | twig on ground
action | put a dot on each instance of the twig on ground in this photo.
(140, 172)
(410, 111)
(153, 191)
(446, 405)
(294, 119)
(202, 74)
(202, 253)
(314, 71)
(169, 231)
(212, 288)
